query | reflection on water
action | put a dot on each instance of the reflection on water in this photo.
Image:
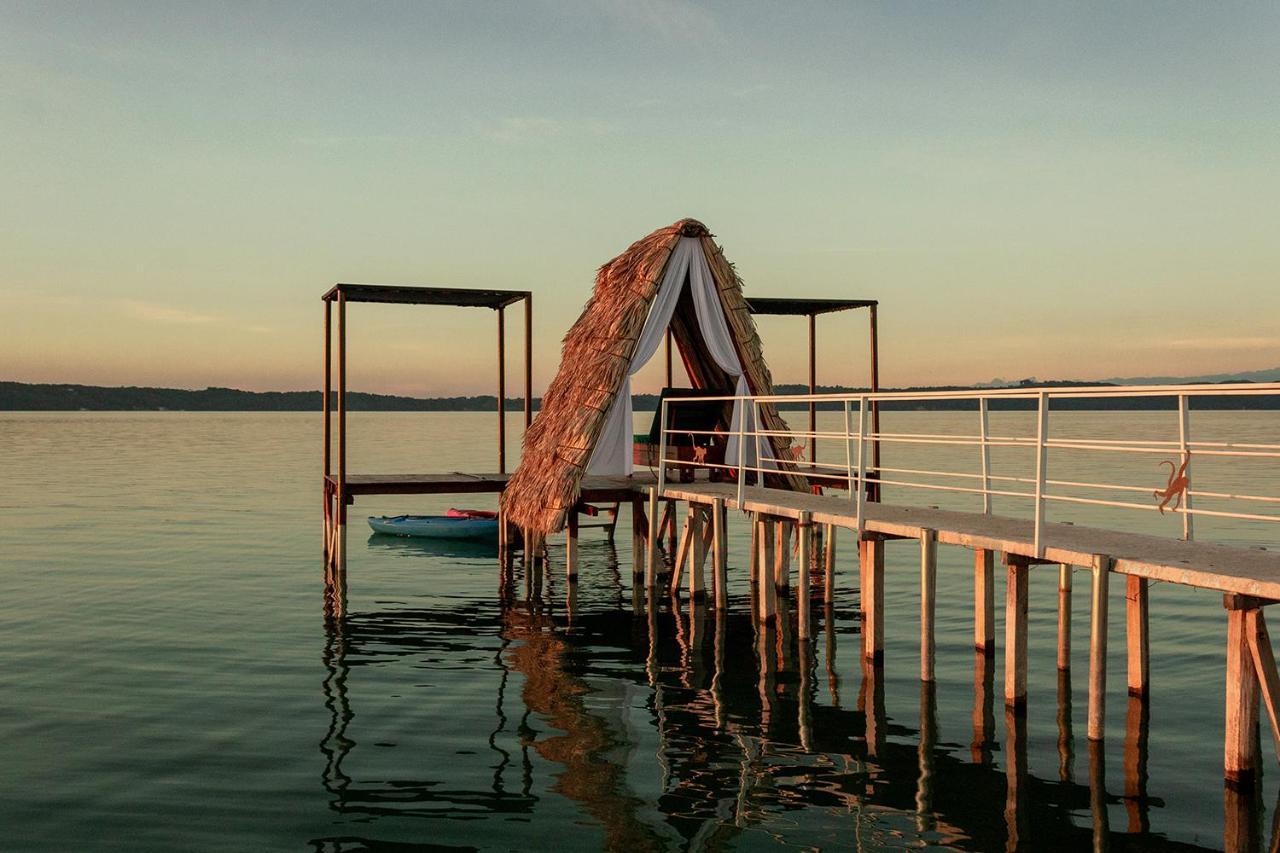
(672, 726)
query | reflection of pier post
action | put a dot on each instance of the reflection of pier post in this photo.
(1015, 805)
(871, 704)
(1098, 795)
(833, 672)
(804, 698)
(1135, 764)
(1066, 741)
(984, 720)
(928, 743)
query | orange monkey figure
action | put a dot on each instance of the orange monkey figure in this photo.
(1177, 486)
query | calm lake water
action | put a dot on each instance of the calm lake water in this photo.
(169, 681)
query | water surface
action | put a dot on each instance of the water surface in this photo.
(170, 680)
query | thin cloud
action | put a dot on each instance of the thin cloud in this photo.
(525, 129)
(156, 313)
(1225, 343)
(672, 20)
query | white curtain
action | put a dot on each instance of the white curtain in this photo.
(687, 263)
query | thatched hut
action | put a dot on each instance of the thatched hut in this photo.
(677, 278)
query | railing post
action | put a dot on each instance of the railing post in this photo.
(848, 448)
(756, 411)
(1042, 459)
(984, 432)
(1184, 438)
(662, 448)
(742, 445)
(862, 463)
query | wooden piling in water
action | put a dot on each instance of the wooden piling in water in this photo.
(654, 532)
(1015, 632)
(639, 536)
(871, 562)
(698, 555)
(767, 590)
(984, 601)
(928, 604)
(1098, 648)
(1064, 617)
(804, 536)
(571, 547)
(782, 556)
(719, 555)
(1241, 752)
(1137, 635)
(829, 565)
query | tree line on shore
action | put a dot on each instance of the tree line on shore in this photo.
(22, 396)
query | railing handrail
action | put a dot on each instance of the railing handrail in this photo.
(1247, 389)
(1041, 397)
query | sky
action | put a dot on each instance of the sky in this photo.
(1053, 190)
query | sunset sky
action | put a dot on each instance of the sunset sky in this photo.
(1051, 190)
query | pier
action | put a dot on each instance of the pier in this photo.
(1006, 485)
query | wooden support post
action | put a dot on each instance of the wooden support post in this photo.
(1098, 648)
(719, 555)
(1241, 759)
(767, 591)
(697, 587)
(1015, 632)
(639, 536)
(1064, 616)
(804, 531)
(829, 565)
(813, 389)
(528, 360)
(755, 549)
(656, 521)
(502, 390)
(328, 378)
(341, 518)
(571, 547)
(871, 559)
(1264, 662)
(984, 601)
(928, 600)
(782, 556)
(683, 551)
(1137, 635)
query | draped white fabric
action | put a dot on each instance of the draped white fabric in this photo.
(612, 454)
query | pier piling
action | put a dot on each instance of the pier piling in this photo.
(1015, 632)
(871, 594)
(1137, 636)
(1064, 617)
(984, 601)
(928, 588)
(1098, 647)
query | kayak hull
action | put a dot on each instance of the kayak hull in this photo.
(436, 527)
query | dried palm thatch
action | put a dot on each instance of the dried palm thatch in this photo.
(597, 353)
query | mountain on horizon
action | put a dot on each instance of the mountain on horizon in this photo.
(1271, 375)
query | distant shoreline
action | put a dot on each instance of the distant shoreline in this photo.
(31, 397)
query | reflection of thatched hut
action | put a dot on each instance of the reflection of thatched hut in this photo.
(676, 277)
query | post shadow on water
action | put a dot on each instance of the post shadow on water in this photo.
(744, 743)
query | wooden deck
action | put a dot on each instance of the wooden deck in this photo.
(1222, 568)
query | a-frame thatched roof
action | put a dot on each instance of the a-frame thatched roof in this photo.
(597, 353)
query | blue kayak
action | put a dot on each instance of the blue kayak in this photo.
(436, 526)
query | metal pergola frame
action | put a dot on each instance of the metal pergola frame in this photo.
(497, 300)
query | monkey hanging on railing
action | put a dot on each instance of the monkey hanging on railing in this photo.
(1177, 486)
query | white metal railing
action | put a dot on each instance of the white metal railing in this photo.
(1041, 489)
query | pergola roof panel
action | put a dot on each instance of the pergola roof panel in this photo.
(462, 297)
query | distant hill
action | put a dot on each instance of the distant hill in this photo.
(1272, 375)
(22, 396)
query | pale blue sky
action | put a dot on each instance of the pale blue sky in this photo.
(1065, 190)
